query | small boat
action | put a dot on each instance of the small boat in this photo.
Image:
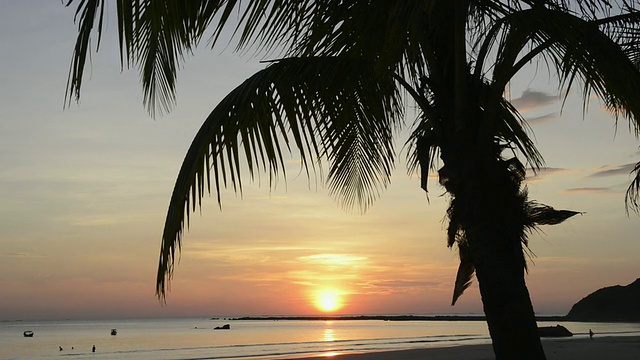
(28, 333)
(114, 332)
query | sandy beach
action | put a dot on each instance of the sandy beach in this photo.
(613, 348)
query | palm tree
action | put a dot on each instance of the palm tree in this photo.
(336, 94)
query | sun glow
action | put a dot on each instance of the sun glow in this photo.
(328, 300)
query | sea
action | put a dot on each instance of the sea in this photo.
(195, 338)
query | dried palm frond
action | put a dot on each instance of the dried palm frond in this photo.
(466, 269)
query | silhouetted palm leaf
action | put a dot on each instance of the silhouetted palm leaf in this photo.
(334, 108)
(579, 48)
(539, 214)
(464, 276)
(632, 198)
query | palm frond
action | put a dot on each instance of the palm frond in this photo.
(464, 276)
(339, 108)
(632, 197)
(395, 33)
(268, 25)
(511, 129)
(598, 51)
(540, 214)
(155, 36)
(424, 155)
(514, 130)
(88, 12)
(581, 50)
(456, 235)
(423, 149)
(361, 155)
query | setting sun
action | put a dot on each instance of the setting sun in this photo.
(328, 300)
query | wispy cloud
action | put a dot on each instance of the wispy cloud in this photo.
(542, 119)
(534, 180)
(388, 287)
(611, 170)
(322, 276)
(553, 171)
(532, 99)
(589, 190)
(332, 259)
(21, 255)
(545, 172)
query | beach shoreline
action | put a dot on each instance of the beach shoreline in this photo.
(605, 347)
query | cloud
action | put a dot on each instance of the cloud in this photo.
(21, 255)
(316, 277)
(533, 180)
(332, 259)
(542, 119)
(403, 283)
(532, 99)
(545, 172)
(553, 171)
(589, 190)
(610, 170)
(388, 287)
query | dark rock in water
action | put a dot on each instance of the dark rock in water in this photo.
(223, 327)
(614, 303)
(554, 331)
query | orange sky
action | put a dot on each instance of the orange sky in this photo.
(84, 193)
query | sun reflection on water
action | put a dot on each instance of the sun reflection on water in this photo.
(329, 336)
(331, 354)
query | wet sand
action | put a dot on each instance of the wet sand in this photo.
(611, 348)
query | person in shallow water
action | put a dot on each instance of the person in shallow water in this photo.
(93, 349)
(590, 334)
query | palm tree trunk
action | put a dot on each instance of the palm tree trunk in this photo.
(488, 206)
(495, 232)
(507, 305)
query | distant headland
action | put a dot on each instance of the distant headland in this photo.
(385, 318)
(609, 304)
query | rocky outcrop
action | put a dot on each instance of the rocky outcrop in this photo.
(554, 331)
(614, 303)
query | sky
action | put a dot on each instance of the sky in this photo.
(84, 192)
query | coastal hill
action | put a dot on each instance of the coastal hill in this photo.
(613, 303)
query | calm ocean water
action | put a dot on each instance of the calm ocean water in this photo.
(194, 338)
